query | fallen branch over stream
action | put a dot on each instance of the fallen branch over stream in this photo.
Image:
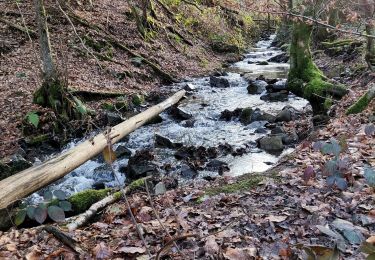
(30, 180)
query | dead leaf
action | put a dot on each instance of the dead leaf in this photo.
(131, 250)
(101, 251)
(276, 219)
(109, 155)
(211, 247)
(371, 240)
(34, 254)
(240, 253)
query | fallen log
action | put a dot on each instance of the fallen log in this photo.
(30, 180)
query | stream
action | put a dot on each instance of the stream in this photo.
(201, 127)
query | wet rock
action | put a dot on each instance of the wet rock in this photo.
(228, 115)
(187, 172)
(180, 114)
(122, 151)
(256, 86)
(217, 82)
(281, 96)
(278, 130)
(290, 138)
(271, 144)
(222, 47)
(98, 185)
(217, 165)
(287, 114)
(246, 115)
(183, 114)
(262, 63)
(260, 130)
(155, 120)
(261, 77)
(190, 87)
(259, 115)
(113, 118)
(256, 124)
(281, 58)
(103, 173)
(189, 123)
(278, 86)
(140, 165)
(16, 164)
(162, 141)
(271, 81)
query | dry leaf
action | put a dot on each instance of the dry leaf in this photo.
(211, 247)
(276, 219)
(131, 250)
(109, 155)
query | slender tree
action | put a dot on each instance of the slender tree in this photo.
(52, 93)
(368, 11)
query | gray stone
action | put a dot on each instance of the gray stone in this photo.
(262, 63)
(278, 130)
(187, 173)
(281, 58)
(122, 151)
(290, 138)
(217, 82)
(183, 114)
(287, 114)
(261, 130)
(281, 96)
(259, 115)
(113, 118)
(160, 188)
(163, 141)
(272, 144)
(246, 115)
(190, 87)
(256, 87)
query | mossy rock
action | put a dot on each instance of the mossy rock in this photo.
(362, 103)
(138, 99)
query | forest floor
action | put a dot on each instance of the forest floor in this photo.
(288, 212)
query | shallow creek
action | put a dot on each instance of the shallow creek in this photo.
(205, 104)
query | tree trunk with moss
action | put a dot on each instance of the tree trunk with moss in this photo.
(369, 7)
(53, 91)
(305, 79)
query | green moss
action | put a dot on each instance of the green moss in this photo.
(37, 139)
(136, 184)
(138, 99)
(241, 185)
(359, 106)
(83, 200)
(108, 106)
(338, 43)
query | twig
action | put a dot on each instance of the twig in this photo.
(159, 220)
(109, 143)
(174, 240)
(65, 239)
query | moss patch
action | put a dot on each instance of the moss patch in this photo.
(359, 106)
(82, 201)
(246, 184)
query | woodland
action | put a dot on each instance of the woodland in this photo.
(187, 129)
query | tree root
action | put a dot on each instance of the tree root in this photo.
(65, 239)
(93, 95)
(362, 103)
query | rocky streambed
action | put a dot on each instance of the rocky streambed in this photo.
(234, 122)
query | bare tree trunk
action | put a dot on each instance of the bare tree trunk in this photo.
(49, 68)
(369, 8)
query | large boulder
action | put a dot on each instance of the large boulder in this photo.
(256, 86)
(218, 82)
(246, 116)
(271, 144)
(228, 115)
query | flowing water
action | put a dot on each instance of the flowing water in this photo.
(205, 105)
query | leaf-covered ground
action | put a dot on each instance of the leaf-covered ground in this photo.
(284, 216)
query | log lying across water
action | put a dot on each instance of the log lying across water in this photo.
(30, 180)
